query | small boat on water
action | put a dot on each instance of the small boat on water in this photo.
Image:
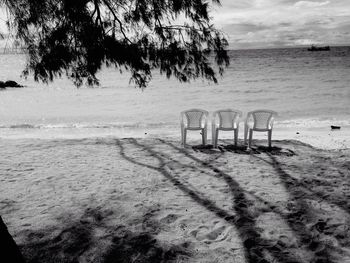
(314, 48)
(333, 127)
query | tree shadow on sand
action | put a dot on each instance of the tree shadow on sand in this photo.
(341, 202)
(309, 240)
(77, 242)
(316, 233)
(243, 149)
(313, 233)
(256, 248)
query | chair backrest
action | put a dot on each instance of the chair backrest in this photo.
(263, 119)
(196, 118)
(227, 118)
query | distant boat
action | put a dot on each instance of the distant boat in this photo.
(314, 48)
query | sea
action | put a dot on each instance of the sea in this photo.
(309, 90)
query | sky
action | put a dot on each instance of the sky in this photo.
(278, 23)
(284, 23)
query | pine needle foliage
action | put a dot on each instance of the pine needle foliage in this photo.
(77, 38)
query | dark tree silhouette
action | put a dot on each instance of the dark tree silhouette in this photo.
(78, 37)
(9, 250)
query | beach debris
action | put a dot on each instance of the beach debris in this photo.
(9, 84)
(315, 48)
(333, 127)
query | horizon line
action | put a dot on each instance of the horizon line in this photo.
(289, 47)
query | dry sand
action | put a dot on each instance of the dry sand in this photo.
(150, 200)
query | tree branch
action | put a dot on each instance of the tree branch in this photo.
(110, 8)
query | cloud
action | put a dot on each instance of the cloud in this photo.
(244, 27)
(267, 23)
(275, 23)
(309, 4)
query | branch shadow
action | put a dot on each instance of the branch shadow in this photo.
(301, 219)
(314, 238)
(243, 149)
(76, 242)
(256, 248)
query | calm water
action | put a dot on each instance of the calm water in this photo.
(307, 89)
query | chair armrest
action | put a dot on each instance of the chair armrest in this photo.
(204, 120)
(272, 119)
(246, 123)
(213, 121)
(183, 120)
(237, 119)
(271, 122)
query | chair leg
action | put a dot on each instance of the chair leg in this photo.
(250, 138)
(216, 138)
(182, 136)
(213, 135)
(185, 134)
(204, 136)
(236, 136)
(269, 137)
(245, 134)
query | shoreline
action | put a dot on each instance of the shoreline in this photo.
(318, 137)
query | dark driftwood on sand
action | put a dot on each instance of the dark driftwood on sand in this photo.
(10, 251)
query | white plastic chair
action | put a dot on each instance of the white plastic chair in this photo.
(225, 120)
(194, 120)
(261, 121)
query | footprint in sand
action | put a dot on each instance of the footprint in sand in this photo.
(171, 218)
(216, 235)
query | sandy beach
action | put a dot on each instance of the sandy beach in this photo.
(95, 96)
(150, 200)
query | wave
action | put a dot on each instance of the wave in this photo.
(291, 123)
(20, 126)
(88, 125)
(312, 123)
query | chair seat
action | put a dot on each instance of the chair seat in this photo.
(262, 130)
(194, 129)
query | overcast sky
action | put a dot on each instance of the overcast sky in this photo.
(279, 23)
